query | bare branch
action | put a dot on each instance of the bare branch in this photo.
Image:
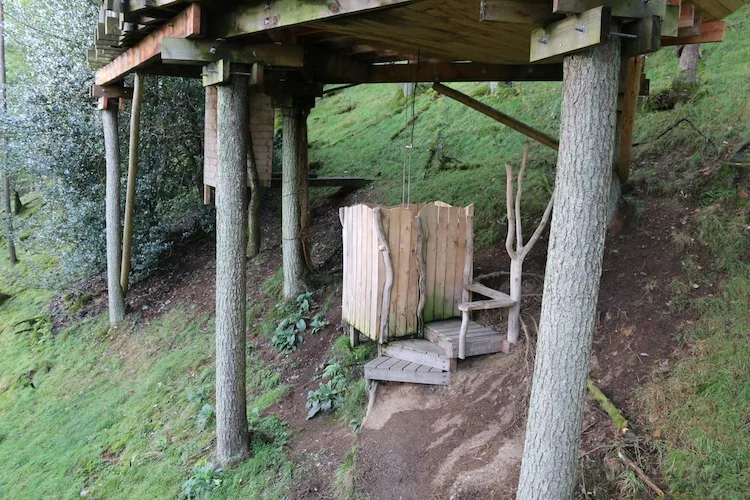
(540, 229)
(511, 217)
(519, 225)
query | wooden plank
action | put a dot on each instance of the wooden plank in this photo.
(249, 19)
(633, 9)
(571, 35)
(483, 305)
(693, 30)
(710, 33)
(440, 231)
(432, 359)
(401, 371)
(186, 24)
(464, 72)
(345, 260)
(632, 89)
(428, 215)
(487, 291)
(537, 12)
(499, 116)
(210, 155)
(405, 268)
(413, 299)
(394, 240)
(451, 235)
(201, 52)
(460, 261)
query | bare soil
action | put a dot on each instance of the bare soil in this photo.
(464, 440)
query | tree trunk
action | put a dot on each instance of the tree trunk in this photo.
(304, 193)
(232, 436)
(574, 266)
(12, 258)
(253, 209)
(291, 245)
(494, 86)
(135, 135)
(689, 57)
(409, 88)
(17, 202)
(114, 233)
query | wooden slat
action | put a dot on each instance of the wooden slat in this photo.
(187, 24)
(483, 305)
(405, 268)
(460, 260)
(687, 15)
(487, 291)
(210, 156)
(451, 234)
(441, 230)
(537, 12)
(620, 8)
(429, 216)
(402, 371)
(632, 89)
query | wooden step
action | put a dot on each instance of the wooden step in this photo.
(397, 370)
(479, 339)
(418, 351)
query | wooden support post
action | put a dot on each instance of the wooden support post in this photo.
(232, 437)
(496, 115)
(135, 131)
(632, 89)
(114, 234)
(291, 241)
(304, 191)
(385, 251)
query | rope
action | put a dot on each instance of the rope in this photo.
(409, 149)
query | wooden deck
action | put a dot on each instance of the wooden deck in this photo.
(479, 339)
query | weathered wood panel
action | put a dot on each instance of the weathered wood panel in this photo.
(261, 130)
(445, 232)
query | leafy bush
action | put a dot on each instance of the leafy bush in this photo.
(198, 487)
(325, 398)
(205, 417)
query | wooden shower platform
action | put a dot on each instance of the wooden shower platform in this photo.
(433, 359)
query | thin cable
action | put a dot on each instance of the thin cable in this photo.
(413, 123)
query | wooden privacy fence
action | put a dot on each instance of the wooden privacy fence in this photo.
(404, 266)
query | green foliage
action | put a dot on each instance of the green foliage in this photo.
(325, 398)
(680, 92)
(199, 486)
(206, 417)
(295, 320)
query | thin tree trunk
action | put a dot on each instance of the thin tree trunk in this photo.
(291, 247)
(135, 134)
(574, 266)
(304, 193)
(114, 232)
(494, 86)
(253, 209)
(12, 257)
(409, 88)
(689, 57)
(17, 202)
(232, 436)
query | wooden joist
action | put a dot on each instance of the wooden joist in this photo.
(671, 23)
(646, 36)
(535, 12)
(571, 35)
(186, 24)
(710, 33)
(178, 50)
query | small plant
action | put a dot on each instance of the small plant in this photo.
(295, 320)
(205, 417)
(198, 487)
(325, 398)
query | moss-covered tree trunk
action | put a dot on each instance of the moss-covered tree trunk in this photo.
(253, 209)
(232, 437)
(690, 55)
(574, 266)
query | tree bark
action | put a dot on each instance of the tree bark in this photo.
(12, 257)
(494, 86)
(232, 436)
(304, 193)
(253, 209)
(291, 247)
(689, 57)
(135, 134)
(114, 233)
(17, 202)
(574, 266)
(409, 88)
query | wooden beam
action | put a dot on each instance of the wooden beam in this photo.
(465, 72)
(113, 91)
(632, 88)
(536, 12)
(693, 30)
(496, 115)
(647, 33)
(671, 23)
(634, 9)
(186, 24)
(202, 52)
(710, 33)
(571, 35)
(263, 16)
(687, 15)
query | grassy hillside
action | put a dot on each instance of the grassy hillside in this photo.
(128, 413)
